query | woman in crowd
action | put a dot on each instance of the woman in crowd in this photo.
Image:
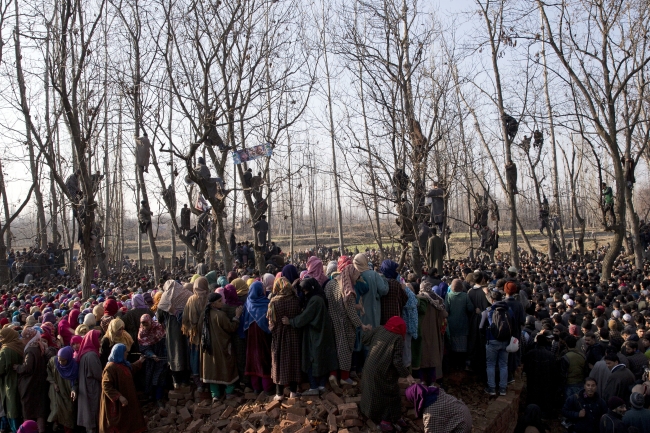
(169, 312)
(62, 372)
(219, 366)
(341, 296)
(119, 409)
(11, 355)
(89, 385)
(115, 334)
(151, 340)
(258, 339)
(65, 331)
(192, 315)
(232, 301)
(285, 341)
(393, 302)
(459, 308)
(132, 319)
(110, 310)
(432, 317)
(32, 383)
(318, 346)
(380, 397)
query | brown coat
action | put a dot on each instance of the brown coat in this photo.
(433, 341)
(117, 381)
(33, 385)
(220, 366)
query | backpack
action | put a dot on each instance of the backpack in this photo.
(501, 322)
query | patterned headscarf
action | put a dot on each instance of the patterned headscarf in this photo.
(282, 288)
(152, 335)
(347, 278)
(344, 261)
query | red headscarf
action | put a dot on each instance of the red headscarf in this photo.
(48, 334)
(110, 307)
(73, 318)
(90, 343)
(344, 261)
(396, 325)
(510, 288)
(77, 339)
(65, 332)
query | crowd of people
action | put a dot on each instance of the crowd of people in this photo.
(69, 362)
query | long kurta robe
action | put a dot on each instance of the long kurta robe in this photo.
(345, 320)
(117, 381)
(393, 302)
(177, 346)
(285, 343)
(90, 390)
(380, 395)
(9, 383)
(436, 251)
(476, 342)
(433, 340)
(459, 308)
(258, 352)
(318, 345)
(32, 384)
(61, 405)
(220, 366)
(371, 301)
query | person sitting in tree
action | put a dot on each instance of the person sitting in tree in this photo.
(608, 202)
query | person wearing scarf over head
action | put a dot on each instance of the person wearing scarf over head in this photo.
(62, 375)
(431, 318)
(318, 345)
(132, 319)
(192, 325)
(114, 335)
(267, 282)
(65, 331)
(460, 308)
(315, 270)
(75, 343)
(28, 426)
(231, 301)
(380, 395)
(242, 289)
(110, 310)
(341, 299)
(219, 365)
(169, 313)
(440, 411)
(32, 375)
(73, 318)
(119, 408)
(258, 339)
(394, 301)
(90, 321)
(11, 354)
(98, 312)
(151, 339)
(90, 378)
(285, 340)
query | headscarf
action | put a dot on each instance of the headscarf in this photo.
(315, 269)
(241, 286)
(139, 302)
(331, 268)
(11, 340)
(73, 318)
(232, 275)
(282, 288)
(49, 317)
(290, 273)
(117, 355)
(396, 325)
(267, 282)
(110, 307)
(344, 262)
(312, 288)
(48, 334)
(360, 262)
(90, 343)
(112, 331)
(156, 301)
(149, 337)
(65, 331)
(230, 295)
(222, 281)
(206, 338)
(256, 307)
(31, 338)
(28, 427)
(98, 312)
(174, 297)
(389, 269)
(70, 371)
(30, 321)
(194, 309)
(421, 396)
(347, 279)
(77, 339)
(89, 320)
(212, 279)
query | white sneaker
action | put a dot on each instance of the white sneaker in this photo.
(294, 395)
(277, 398)
(348, 382)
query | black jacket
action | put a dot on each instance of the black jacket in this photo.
(594, 408)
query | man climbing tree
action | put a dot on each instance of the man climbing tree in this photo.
(608, 205)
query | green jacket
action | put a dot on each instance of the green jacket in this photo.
(573, 366)
(9, 383)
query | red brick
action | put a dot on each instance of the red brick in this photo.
(334, 399)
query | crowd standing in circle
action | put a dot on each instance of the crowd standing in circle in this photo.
(69, 363)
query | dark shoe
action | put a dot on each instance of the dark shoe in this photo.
(502, 392)
(490, 391)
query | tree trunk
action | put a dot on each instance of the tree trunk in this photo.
(152, 240)
(634, 229)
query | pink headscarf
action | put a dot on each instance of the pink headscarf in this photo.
(65, 331)
(315, 269)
